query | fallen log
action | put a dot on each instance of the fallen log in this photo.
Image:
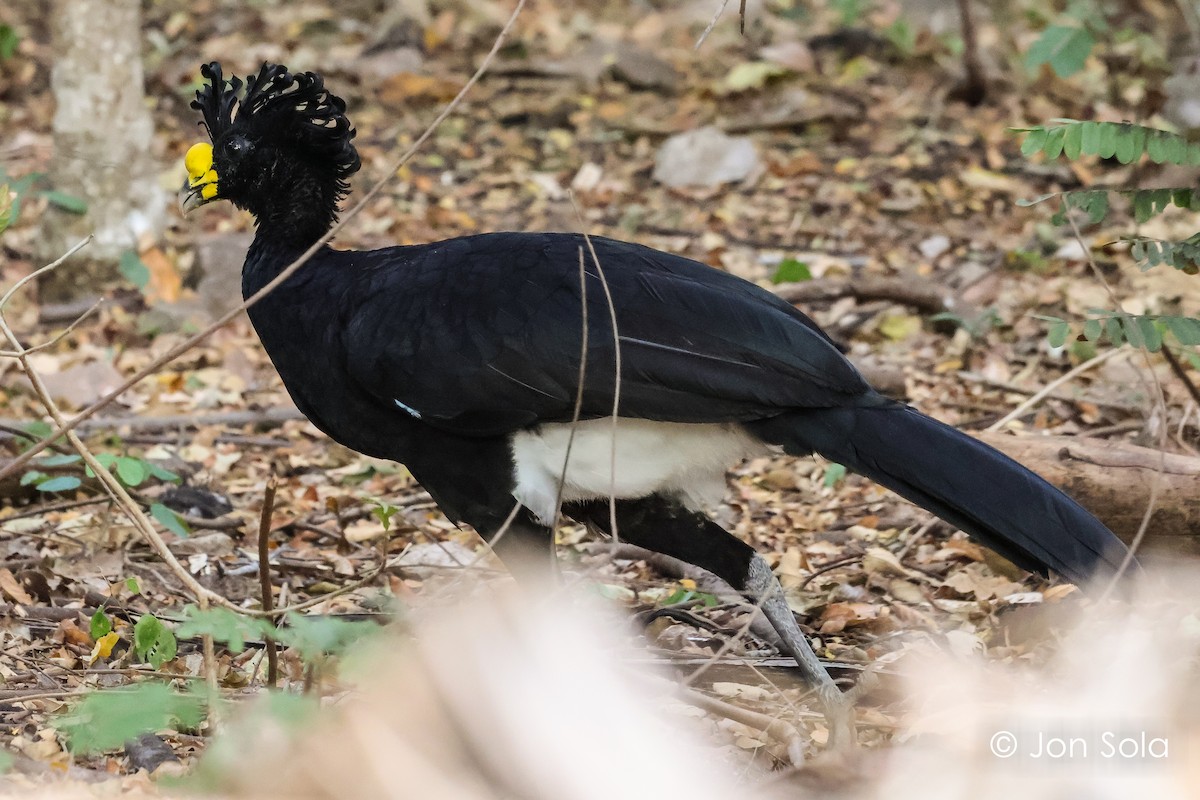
(1114, 480)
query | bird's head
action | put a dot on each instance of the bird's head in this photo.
(282, 149)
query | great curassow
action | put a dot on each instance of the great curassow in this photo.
(462, 360)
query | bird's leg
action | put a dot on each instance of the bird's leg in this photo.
(526, 548)
(669, 528)
(762, 586)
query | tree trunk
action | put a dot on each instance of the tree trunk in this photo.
(102, 142)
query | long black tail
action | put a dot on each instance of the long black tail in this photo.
(962, 480)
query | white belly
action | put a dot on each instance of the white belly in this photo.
(677, 459)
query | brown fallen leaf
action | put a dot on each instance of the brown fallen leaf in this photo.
(12, 588)
(166, 284)
(839, 616)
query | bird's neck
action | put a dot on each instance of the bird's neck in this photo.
(291, 227)
(271, 253)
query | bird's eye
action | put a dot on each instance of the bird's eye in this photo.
(237, 146)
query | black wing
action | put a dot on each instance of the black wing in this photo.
(482, 335)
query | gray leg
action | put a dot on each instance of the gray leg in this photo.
(669, 528)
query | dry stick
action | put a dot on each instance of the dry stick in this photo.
(1162, 438)
(191, 342)
(575, 413)
(713, 23)
(976, 83)
(1049, 388)
(55, 340)
(264, 577)
(616, 404)
(1181, 373)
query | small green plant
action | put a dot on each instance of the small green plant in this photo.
(1127, 143)
(687, 593)
(383, 511)
(791, 271)
(153, 642)
(105, 720)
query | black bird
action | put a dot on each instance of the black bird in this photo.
(462, 360)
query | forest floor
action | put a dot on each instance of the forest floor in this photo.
(863, 169)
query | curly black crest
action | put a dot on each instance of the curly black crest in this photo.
(283, 108)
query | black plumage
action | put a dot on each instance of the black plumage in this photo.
(442, 356)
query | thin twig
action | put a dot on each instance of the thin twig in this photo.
(1049, 388)
(616, 403)
(264, 577)
(37, 272)
(830, 567)
(56, 339)
(1161, 403)
(192, 341)
(713, 23)
(1181, 373)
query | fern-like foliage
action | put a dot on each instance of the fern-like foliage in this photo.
(1140, 330)
(1146, 203)
(1183, 256)
(1123, 141)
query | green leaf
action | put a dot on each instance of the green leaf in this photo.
(161, 473)
(8, 42)
(153, 642)
(753, 75)
(1034, 142)
(1131, 142)
(1185, 330)
(132, 585)
(8, 199)
(132, 471)
(316, 636)
(1055, 139)
(224, 626)
(134, 269)
(1143, 206)
(1107, 146)
(35, 430)
(66, 202)
(1089, 140)
(169, 520)
(833, 475)
(1157, 147)
(58, 460)
(33, 476)
(62, 483)
(791, 271)
(100, 624)
(1064, 47)
(1114, 331)
(1151, 334)
(1057, 334)
(1133, 333)
(105, 720)
(1073, 141)
(1092, 329)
